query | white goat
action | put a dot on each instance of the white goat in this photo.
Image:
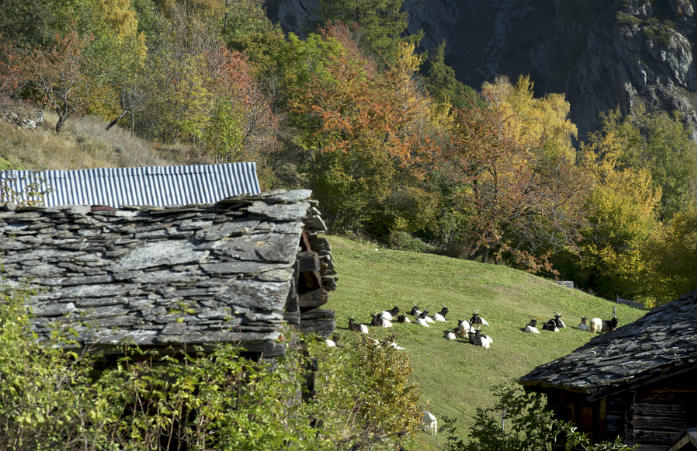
(396, 346)
(596, 325)
(451, 335)
(422, 322)
(430, 423)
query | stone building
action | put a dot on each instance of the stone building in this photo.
(236, 270)
(638, 382)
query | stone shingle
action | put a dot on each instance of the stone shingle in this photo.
(666, 336)
(153, 275)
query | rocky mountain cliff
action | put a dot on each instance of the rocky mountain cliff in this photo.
(601, 53)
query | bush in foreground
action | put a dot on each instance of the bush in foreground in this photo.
(52, 398)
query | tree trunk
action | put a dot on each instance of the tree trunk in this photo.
(112, 123)
(59, 124)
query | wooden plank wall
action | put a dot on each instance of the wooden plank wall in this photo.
(662, 412)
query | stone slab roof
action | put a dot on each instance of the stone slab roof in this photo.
(157, 276)
(663, 340)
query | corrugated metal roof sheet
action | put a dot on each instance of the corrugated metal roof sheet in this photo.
(159, 186)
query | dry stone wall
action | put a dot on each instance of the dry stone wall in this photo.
(197, 274)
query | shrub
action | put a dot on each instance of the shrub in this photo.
(53, 398)
(521, 421)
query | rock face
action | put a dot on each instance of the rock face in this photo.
(198, 274)
(601, 53)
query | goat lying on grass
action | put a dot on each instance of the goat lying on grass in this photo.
(531, 327)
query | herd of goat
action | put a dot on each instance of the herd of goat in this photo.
(470, 330)
(467, 330)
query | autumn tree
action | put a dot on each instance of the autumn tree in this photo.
(359, 127)
(10, 74)
(242, 125)
(661, 144)
(513, 182)
(61, 75)
(621, 214)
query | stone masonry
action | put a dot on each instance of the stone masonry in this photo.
(195, 274)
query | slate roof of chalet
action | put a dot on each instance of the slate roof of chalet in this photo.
(195, 274)
(665, 339)
(158, 186)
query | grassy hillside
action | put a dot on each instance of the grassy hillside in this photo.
(83, 143)
(455, 377)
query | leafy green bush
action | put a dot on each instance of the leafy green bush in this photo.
(53, 398)
(521, 421)
(365, 397)
(43, 389)
(402, 240)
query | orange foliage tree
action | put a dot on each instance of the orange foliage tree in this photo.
(60, 74)
(360, 127)
(239, 101)
(510, 199)
(9, 67)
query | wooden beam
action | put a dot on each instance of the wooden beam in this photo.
(308, 261)
(600, 421)
(305, 241)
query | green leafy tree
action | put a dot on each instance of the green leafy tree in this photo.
(661, 144)
(365, 398)
(520, 421)
(441, 82)
(621, 214)
(381, 24)
(672, 253)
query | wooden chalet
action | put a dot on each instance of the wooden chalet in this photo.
(638, 382)
(237, 270)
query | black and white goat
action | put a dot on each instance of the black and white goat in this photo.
(355, 327)
(403, 319)
(440, 316)
(557, 320)
(476, 319)
(601, 325)
(550, 325)
(531, 327)
(390, 314)
(477, 338)
(380, 321)
(421, 319)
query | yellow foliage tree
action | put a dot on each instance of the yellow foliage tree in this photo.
(621, 214)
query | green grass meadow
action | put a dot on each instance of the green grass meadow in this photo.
(455, 377)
